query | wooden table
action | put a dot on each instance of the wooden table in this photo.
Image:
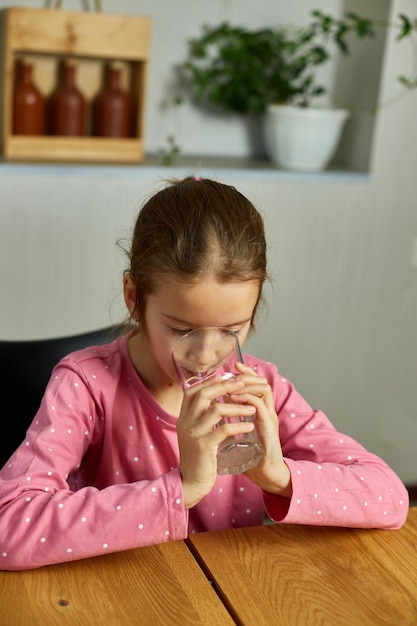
(152, 586)
(291, 575)
(284, 575)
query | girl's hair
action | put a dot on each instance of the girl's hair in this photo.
(192, 229)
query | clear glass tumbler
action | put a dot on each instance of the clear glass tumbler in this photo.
(200, 354)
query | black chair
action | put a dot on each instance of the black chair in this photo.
(25, 368)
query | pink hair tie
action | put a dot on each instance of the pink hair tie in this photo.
(197, 178)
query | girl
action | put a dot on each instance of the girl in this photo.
(118, 456)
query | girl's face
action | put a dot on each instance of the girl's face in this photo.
(176, 307)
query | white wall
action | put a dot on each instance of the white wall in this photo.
(342, 316)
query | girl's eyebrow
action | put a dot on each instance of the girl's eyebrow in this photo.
(174, 318)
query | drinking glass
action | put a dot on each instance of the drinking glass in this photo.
(199, 355)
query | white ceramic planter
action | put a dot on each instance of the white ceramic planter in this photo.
(303, 139)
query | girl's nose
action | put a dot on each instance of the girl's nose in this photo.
(210, 349)
(203, 355)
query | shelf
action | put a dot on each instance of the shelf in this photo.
(46, 37)
(248, 169)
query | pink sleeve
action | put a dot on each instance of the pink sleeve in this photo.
(43, 521)
(335, 481)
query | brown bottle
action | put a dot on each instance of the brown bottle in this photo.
(28, 103)
(68, 106)
(112, 108)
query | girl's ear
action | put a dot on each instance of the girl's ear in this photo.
(129, 292)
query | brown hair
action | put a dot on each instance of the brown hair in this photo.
(193, 228)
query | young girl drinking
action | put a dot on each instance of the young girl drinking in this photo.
(119, 456)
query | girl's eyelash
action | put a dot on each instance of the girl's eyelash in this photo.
(236, 331)
(184, 331)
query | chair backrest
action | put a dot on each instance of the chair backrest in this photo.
(25, 368)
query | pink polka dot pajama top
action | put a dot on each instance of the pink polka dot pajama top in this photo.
(98, 470)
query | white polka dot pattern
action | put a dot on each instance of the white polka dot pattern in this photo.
(98, 470)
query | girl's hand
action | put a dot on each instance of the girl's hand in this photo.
(271, 474)
(198, 439)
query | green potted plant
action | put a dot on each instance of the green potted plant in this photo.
(271, 74)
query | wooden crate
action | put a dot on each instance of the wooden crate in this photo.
(46, 37)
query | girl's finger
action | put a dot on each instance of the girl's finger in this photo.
(215, 387)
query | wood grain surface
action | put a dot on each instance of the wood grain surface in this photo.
(148, 586)
(308, 576)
